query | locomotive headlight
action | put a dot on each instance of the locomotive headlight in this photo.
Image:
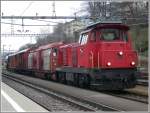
(132, 63)
(120, 53)
(108, 63)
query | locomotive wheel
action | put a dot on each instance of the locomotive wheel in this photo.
(86, 81)
(61, 77)
(46, 76)
(76, 80)
(49, 77)
(83, 81)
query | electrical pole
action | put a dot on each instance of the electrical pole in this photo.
(3, 48)
(54, 12)
(3, 55)
(22, 26)
(12, 26)
(9, 48)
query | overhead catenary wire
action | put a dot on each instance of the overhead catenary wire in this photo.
(44, 17)
(27, 8)
(26, 25)
(24, 35)
(24, 10)
(56, 24)
(46, 21)
(65, 17)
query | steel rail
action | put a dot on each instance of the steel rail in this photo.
(125, 96)
(44, 90)
(129, 96)
(91, 103)
(49, 93)
(142, 82)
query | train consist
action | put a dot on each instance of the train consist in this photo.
(102, 58)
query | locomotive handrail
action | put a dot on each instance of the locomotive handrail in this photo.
(98, 59)
(92, 58)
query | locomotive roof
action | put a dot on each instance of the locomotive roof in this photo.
(107, 23)
(104, 22)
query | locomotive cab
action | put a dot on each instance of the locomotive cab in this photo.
(106, 50)
(107, 45)
(116, 48)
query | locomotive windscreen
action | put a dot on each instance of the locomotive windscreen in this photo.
(108, 34)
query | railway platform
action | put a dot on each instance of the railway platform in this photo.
(13, 101)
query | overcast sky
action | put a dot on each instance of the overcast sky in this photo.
(30, 8)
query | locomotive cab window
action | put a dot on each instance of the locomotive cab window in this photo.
(83, 39)
(113, 34)
(55, 52)
(80, 39)
(93, 36)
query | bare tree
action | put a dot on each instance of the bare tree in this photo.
(26, 46)
(134, 11)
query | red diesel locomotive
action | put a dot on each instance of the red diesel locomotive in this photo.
(102, 58)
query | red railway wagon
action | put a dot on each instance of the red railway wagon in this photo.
(68, 56)
(11, 62)
(102, 58)
(43, 60)
(18, 60)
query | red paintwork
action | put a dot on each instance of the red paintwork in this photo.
(68, 58)
(19, 59)
(97, 54)
(38, 57)
(93, 54)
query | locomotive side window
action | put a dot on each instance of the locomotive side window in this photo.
(113, 34)
(80, 39)
(125, 36)
(93, 36)
(54, 52)
(83, 39)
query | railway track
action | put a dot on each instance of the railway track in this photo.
(80, 104)
(142, 82)
(121, 94)
(128, 95)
